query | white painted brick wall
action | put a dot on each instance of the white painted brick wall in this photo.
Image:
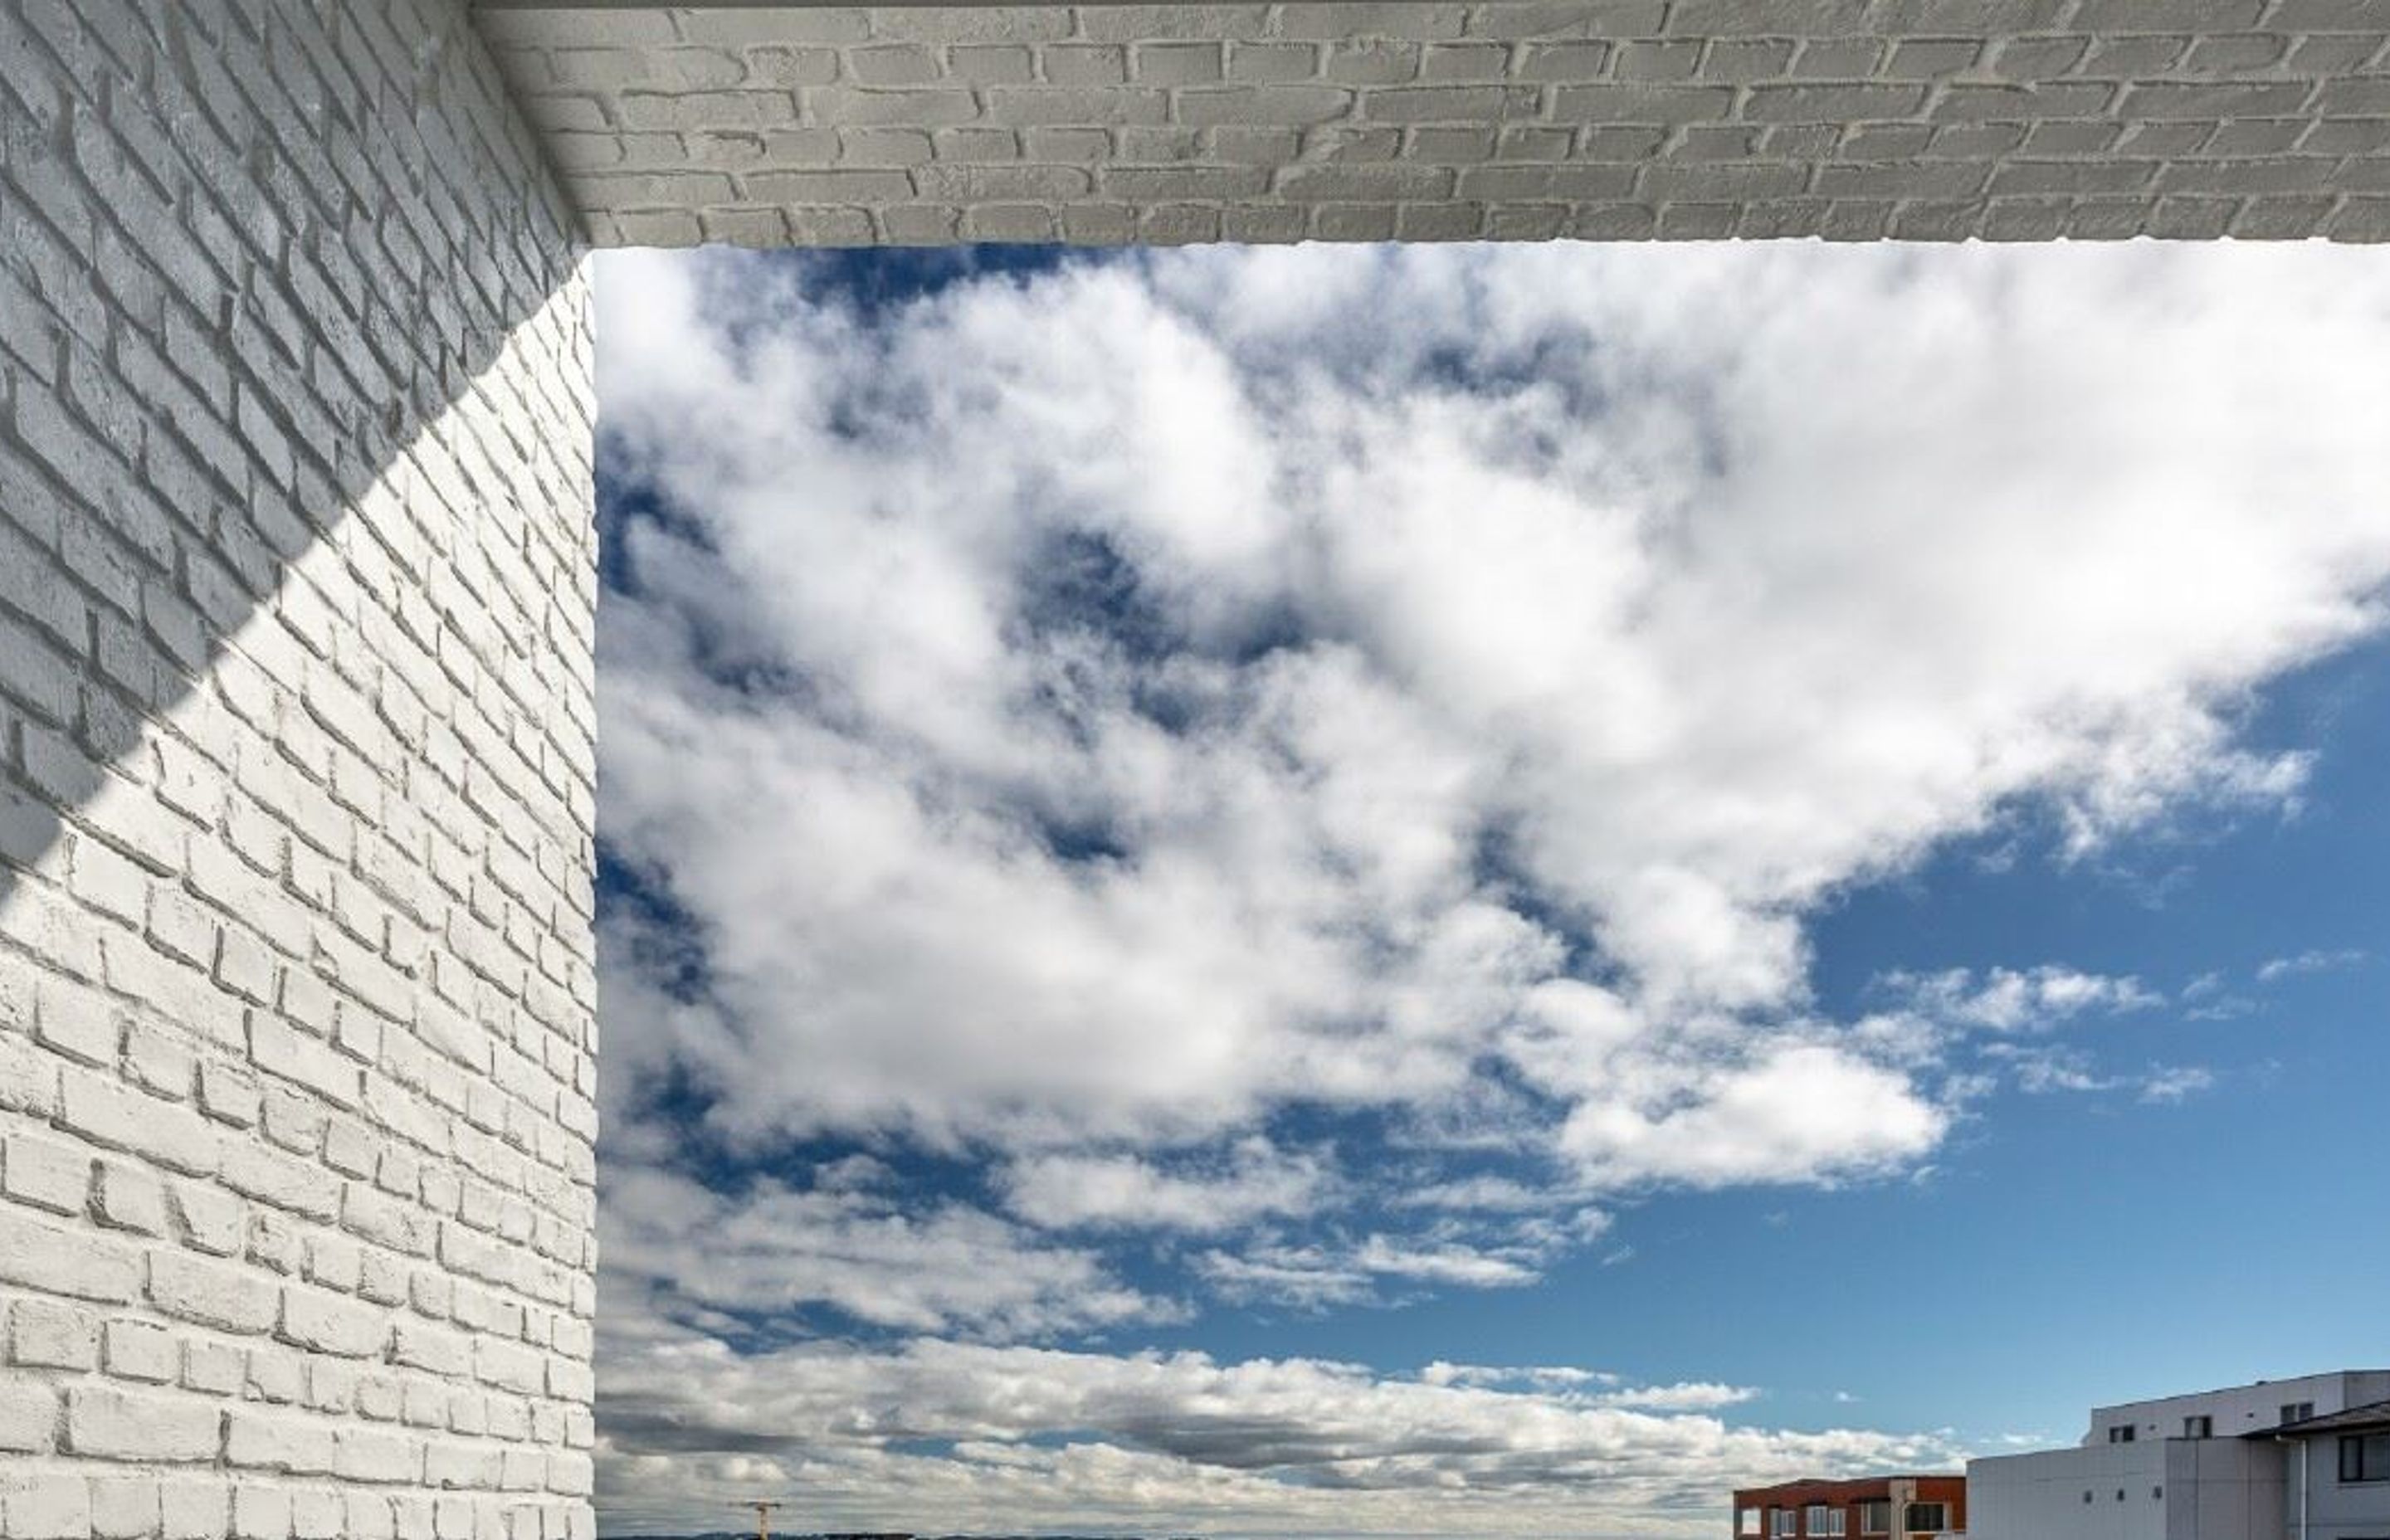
(296, 589)
(1434, 119)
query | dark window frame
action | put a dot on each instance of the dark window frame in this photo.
(2356, 1469)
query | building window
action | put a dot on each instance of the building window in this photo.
(1748, 1522)
(1824, 1521)
(2297, 1411)
(2365, 1458)
(1784, 1521)
(1875, 1516)
(1924, 1518)
(2122, 1434)
(2199, 1427)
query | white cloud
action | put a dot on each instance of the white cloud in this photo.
(1687, 1397)
(1483, 1193)
(1804, 1112)
(1541, 1376)
(2041, 1069)
(2177, 1083)
(1310, 1278)
(1081, 727)
(1591, 1387)
(1507, 1252)
(2209, 998)
(1164, 692)
(1168, 1440)
(2008, 999)
(1444, 1263)
(773, 1249)
(2314, 960)
(1129, 1192)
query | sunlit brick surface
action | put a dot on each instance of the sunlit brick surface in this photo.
(295, 782)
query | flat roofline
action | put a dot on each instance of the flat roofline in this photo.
(1813, 1483)
(2228, 1390)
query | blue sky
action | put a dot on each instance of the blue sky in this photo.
(1451, 892)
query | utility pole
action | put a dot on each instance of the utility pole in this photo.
(763, 1518)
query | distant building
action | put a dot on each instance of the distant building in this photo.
(2338, 1479)
(2285, 1460)
(1896, 1507)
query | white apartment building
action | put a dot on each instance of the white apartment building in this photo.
(2283, 1459)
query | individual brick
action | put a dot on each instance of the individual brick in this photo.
(166, 1132)
(256, 1439)
(124, 1507)
(52, 1334)
(321, 1322)
(211, 1293)
(29, 1416)
(206, 1218)
(893, 64)
(1276, 106)
(54, 1259)
(140, 1350)
(1180, 63)
(107, 1423)
(47, 1173)
(46, 1506)
(1835, 104)
(1641, 104)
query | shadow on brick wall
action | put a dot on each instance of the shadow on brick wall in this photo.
(251, 288)
(297, 582)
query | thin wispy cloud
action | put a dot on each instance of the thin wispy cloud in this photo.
(2275, 970)
(2010, 999)
(2176, 1083)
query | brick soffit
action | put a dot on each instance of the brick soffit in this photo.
(919, 125)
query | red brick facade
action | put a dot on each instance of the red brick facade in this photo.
(1881, 1508)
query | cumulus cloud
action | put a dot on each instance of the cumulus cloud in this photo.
(1108, 707)
(1800, 1113)
(1315, 768)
